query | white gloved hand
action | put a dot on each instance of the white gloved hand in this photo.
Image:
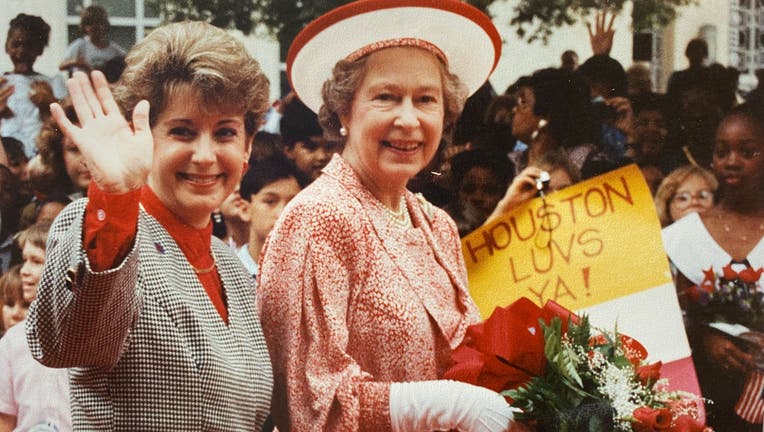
(447, 405)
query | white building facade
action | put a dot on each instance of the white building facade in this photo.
(130, 21)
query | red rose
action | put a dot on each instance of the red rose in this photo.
(729, 274)
(657, 419)
(750, 275)
(649, 374)
(634, 351)
(709, 276)
(700, 294)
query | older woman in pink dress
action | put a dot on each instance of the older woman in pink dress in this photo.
(363, 289)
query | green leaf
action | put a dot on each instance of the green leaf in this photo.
(537, 19)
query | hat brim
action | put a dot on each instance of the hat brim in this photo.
(465, 35)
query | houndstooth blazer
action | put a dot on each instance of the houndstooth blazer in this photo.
(146, 347)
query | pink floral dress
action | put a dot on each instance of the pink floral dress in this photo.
(350, 302)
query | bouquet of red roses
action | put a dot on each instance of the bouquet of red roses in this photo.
(733, 303)
(567, 376)
(730, 297)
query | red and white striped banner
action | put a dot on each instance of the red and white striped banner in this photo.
(750, 406)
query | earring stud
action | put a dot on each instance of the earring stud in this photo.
(540, 126)
(343, 131)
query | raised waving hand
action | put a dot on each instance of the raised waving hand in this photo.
(117, 153)
(601, 38)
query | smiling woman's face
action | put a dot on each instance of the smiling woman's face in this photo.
(396, 118)
(198, 157)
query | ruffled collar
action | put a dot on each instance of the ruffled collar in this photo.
(692, 249)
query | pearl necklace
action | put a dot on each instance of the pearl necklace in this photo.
(728, 228)
(400, 218)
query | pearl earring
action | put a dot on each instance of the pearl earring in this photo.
(540, 126)
(343, 131)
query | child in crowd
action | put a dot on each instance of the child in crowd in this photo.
(13, 306)
(94, 50)
(230, 217)
(32, 396)
(63, 157)
(31, 241)
(304, 142)
(479, 178)
(41, 185)
(32, 91)
(266, 188)
(17, 158)
(10, 201)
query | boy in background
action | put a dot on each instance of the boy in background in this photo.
(266, 188)
(304, 142)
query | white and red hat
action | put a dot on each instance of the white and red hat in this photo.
(459, 34)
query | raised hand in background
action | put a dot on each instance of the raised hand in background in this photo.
(117, 153)
(601, 38)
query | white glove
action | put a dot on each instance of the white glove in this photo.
(447, 405)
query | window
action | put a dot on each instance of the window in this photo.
(746, 37)
(656, 65)
(647, 46)
(130, 20)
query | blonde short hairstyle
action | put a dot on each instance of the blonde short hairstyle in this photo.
(198, 54)
(339, 90)
(36, 235)
(671, 183)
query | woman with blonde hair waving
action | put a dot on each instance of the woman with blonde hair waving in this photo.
(154, 317)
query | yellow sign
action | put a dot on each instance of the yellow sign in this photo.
(592, 242)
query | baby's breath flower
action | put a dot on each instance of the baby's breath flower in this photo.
(598, 370)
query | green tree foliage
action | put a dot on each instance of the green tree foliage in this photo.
(537, 19)
(283, 18)
(533, 19)
(239, 14)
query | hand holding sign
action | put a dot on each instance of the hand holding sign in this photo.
(594, 246)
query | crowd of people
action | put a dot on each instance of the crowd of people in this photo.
(178, 253)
